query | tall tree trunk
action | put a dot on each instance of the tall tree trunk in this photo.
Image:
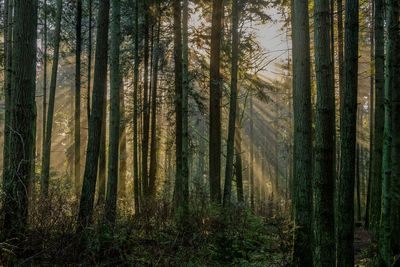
(394, 70)
(325, 140)
(251, 163)
(135, 112)
(302, 153)
(8, 31)
(89, 70)
(348, 129)
(146, 104)
(358, 182)
(391, 146)
(99, 87)
(238, 157)
(154, 139)
(44, 77)
(185, 109)
(215, 102)
(123, 156)
(232, 104)
(44, 184)
(376, 179)
(115, 81)
(15, 202)
(180, 211)
(340, 49)
(372, 114)
(102, 154)
(77, 143)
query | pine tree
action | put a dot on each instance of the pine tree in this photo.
(232, 104)
(77, 117)
(302, 154)
(215, 102)
(376, 179)
(96, 118)
(15, 202)
(348, 129)
(135, 112)
(45, 175)
(324, 173)
(115, 80)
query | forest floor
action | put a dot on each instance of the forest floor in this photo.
(212, 238)
(362, 243)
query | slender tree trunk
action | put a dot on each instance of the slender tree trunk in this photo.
(340, 49)
(154, 139)
(233, 104)
(101, 173)
(146, 104)
(95, 124)
(77, 118)
(372, 115)
(302, 153)
(135, 112)
(180, 209)
(238, 156)
(8, 31)
(215, 102)
(44, 185)
(185, 109)
(123, 156)
(115, 81)
(15, 202)
(44, 78)
(376, 179)
(325, 140)
(251, 165)
(358, 183)
(90, 2)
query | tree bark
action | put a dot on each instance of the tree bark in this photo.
(154, 139)
(77, 117)
(45, 177)
(146, 104)
(115, 81)
(135, 112)
(8, 31)
(348, 129)
(325, 140)
(89, 60)
(232, 104)
(302, 153)
(215, 102)
(391, 147)
(15, 202)
(376, 180)
(99, 87)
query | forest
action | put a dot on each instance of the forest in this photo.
(200, 133)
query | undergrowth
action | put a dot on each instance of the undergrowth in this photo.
(232, 237)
